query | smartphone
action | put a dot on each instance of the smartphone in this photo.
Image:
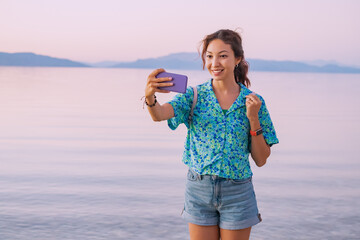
(180, 82)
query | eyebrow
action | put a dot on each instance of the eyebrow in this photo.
(219, 52)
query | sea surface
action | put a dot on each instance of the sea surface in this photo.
(81, 159)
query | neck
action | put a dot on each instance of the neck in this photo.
(225, 86)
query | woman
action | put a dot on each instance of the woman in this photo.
(229, 122)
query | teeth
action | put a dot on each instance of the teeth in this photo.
(217, 71)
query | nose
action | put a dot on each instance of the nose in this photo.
(215, 61)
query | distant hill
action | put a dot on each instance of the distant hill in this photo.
(34, 60)
(192, 61)
(172, 61)
(183, 61)
(293, 66)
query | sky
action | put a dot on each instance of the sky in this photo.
(117, 30)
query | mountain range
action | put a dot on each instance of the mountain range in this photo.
(190, 61)
(35, 60)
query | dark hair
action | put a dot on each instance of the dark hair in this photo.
(232, 38)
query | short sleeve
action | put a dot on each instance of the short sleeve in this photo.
(181, 104)
(267, 125)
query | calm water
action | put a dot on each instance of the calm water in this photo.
(81, 159)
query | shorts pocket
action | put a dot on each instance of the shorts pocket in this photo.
(240, 181)
(192, 176)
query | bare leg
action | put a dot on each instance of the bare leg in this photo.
(242, 234)
(198, 232)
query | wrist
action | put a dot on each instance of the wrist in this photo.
(257, 132)
(150, 97)
(150, 101)
(254, 124)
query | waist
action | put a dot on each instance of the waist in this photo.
(215, 177)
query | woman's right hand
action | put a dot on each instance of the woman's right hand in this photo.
(153, 83)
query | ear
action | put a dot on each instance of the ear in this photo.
(238, 60)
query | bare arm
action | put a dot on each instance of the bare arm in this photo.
(158, 112)
(260, 150)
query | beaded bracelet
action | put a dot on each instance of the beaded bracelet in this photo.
(151, 105)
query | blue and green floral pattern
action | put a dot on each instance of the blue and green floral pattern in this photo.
(218, 142)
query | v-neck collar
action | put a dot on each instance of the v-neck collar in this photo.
(240, 100)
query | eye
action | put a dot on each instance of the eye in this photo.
(208, 56)
(223, 56)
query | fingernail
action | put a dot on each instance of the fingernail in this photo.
(170, 78)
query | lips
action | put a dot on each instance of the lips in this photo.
(217, 71)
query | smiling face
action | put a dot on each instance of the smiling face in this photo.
(220, 60)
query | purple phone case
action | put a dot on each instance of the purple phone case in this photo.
(180, 82)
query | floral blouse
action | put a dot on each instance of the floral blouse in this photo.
(218, 142)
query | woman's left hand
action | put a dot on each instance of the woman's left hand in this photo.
(253, 104)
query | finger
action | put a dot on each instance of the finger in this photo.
(163, 79)
(167, 84)
(162, 91)
(256, 98)
(249, 102)
(157, 85)
(248, 99)
(156, 72)
(252, 97)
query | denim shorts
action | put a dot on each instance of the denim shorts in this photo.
(212, 200)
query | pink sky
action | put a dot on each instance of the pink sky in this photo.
(90, 31)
